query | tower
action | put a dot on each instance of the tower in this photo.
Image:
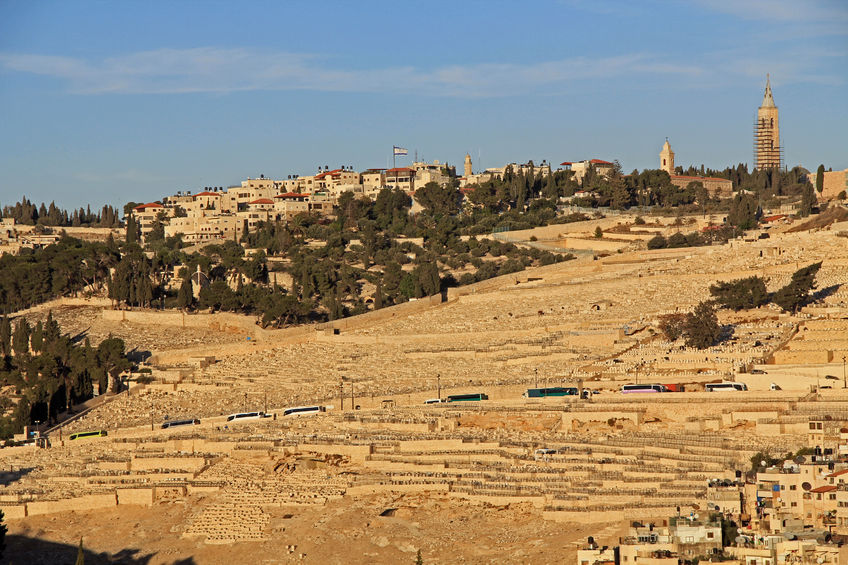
(768, 154)
(467, 165)
(667, 158)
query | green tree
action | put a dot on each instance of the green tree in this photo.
(741, 294)
(112, 358)
(744, 212)
(133, 231)
(808, 200)
(599, 233)
(796, 294)
(438, 200)
(157, 231)
(20, 339)
(185, 296)
(702, 329)
(5, 337)
(820, 179)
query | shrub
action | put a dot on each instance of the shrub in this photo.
(657, 242)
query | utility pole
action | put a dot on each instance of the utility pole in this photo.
(535, 378)
(439, 381)
(341, 393)
(265, 407)
(844, 382)
(352, 402)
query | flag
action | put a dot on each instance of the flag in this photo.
(400, 151)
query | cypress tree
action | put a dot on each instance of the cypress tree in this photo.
(20, 339)
(5, 336)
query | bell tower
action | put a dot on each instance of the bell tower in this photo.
(667, 158)
(467, 165)
(768, 154)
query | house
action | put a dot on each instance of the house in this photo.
(580, 168)
(146, 214)
(402, 178)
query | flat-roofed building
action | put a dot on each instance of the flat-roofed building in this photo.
(146, 214)
(402, 178)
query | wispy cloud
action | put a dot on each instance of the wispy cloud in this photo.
(209, 69)
(831, 14)
(219, 70)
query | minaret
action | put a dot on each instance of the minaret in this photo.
(468, 166)
(768, 153)
(667, 158)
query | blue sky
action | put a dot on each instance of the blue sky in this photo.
(108, 102)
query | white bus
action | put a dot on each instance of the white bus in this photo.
(643, 388)
(721, 387)
(303, 410)
(247, 416)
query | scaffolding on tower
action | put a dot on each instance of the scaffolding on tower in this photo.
(767, 153)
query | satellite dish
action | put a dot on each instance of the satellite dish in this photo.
(806, 486)
(800, 459)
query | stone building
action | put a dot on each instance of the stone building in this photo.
(768, 153)
(667, 158)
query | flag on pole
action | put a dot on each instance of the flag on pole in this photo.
(400, 151)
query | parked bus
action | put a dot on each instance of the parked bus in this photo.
(247, 416)
(177, 423)
(643, 388)
(98, 433)
(552, 391)
(721, 387)
(303, 410)
(468, 397)
(434, 401)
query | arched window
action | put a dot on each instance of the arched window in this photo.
(771, 144)
(663, 162)
(772, 122)
(763, 122)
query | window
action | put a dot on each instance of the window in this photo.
(793, 487)
(793, 505)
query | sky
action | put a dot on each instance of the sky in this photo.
(110, 102)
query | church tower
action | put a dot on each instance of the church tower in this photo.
(667, 158)
(467, 166)
(768, 154)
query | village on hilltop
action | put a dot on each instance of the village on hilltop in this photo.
(529, 364)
